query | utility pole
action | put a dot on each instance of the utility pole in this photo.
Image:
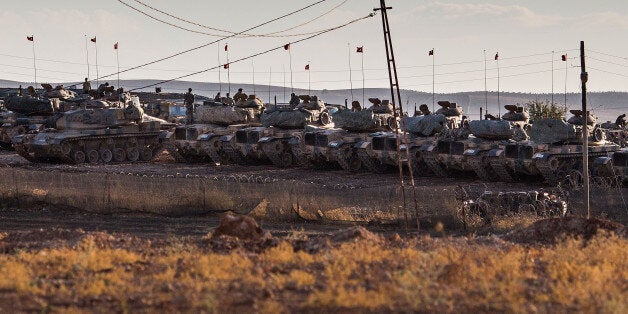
(394, 90)
(584, 77)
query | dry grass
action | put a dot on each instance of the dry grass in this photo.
(418, 275)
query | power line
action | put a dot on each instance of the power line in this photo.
(215, 41)
(263, 52)
(273, 34)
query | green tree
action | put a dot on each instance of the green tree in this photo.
(539, 109)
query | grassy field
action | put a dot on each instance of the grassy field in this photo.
(366, 273)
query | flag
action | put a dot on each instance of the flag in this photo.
(564, 57)
(497, 56)
(226, 66)
(29, 38)
(360, 49)
(286, 47)
(93, 39)
(115, 46)
(431, 52)
(226, 47)
(307, 67)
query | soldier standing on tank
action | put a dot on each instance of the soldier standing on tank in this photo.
(294, 100)
(621, 121)
(102, 89)
(189, 106)
(424, 109)
(87, 86)
(355, 106)
(239, 96)
(217, 98)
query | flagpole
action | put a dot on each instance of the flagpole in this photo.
(284, 83)
(433, 79)
(552, 77)
(270, 80)
(253, 66)
(566, 82)
(485, 86)
(363, 98)
(87, 56)
(290, 55)
(34, 62)
(97, 75)
(499, 108)
(309, 80)
(350, 74)
(118, 60)
(228, 73)
(219, 66)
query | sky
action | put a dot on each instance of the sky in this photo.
(529, 36)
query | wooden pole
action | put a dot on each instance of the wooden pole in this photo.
(584, 77)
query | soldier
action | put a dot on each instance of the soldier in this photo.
(228, 100)
(355, 106)
(189, 106)
(217, 98)
(102, 89)
(424, 109)
(294, 100)
(86, 86)
(240, 96)
(621, 121)
(19, 91)
(31, 91)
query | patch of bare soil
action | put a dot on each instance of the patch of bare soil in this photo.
(551, 230)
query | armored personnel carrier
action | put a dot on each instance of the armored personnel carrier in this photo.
(201, 141)
(337, 146)
(95, 135)
(559, 145)
(281, 129)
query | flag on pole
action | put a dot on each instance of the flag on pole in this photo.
(29, 38)
(286, 47)
(227, 47)
(497, 56)
(360, 49)
(564, 57)
(307, 67)
(115, 46)
(226, 66)
(93, 39)
(431, 52)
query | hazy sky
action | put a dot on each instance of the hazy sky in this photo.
(524, 32)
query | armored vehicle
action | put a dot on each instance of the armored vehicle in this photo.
(614, 166)
(281, 129)
(201, 142)
(95, 135)
(337, 146)
(559, 146)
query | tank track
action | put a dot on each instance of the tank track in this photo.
(150, 138)
(302, 159)
(234, 155)
(369, 163)
(480, 168)
(553, 176)
(282, 158)
(433, 164)
(500, 170)
(212, 150)
(343, 156)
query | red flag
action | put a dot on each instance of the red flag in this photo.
(226, 66)
(29, 38)
(307, 67)
(226, 47)
(93, 39)
(564, 57)
(286, 46)
(497, 56)
(431, 52)
(360, 49)
(115, 46)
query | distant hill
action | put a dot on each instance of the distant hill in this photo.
(606, 105)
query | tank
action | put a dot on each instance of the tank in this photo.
(613, 168)
(201, 142)
(557, 148)
(281, 129)
(336, 147)
(95, 135)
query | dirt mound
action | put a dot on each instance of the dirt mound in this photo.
(552, 229)
(359, 233)
(241, 227)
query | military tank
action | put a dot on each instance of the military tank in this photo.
(281, 129)
(559, 145)
(201, 142)
(614, 167)
(24, 114)
(336, 147)
(95, 135)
